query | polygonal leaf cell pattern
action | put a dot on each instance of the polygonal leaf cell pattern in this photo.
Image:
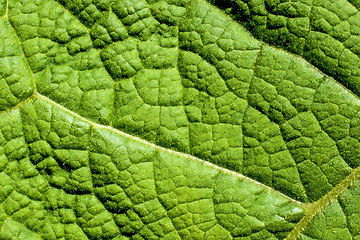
(179, 119)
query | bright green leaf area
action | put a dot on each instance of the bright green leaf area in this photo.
(64, 178)
(112, 111)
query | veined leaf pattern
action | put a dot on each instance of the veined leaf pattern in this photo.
(140, 119)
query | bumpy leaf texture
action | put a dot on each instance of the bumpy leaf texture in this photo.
(179, 119)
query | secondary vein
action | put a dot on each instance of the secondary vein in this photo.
(314, 208)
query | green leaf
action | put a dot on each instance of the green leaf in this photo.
(140, 119)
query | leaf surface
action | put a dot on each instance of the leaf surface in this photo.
(169, 120)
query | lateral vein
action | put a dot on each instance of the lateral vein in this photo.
(314, 208)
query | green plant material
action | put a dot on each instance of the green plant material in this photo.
(339, 220)
(326, 33)
(140, 119)
(63, 177)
